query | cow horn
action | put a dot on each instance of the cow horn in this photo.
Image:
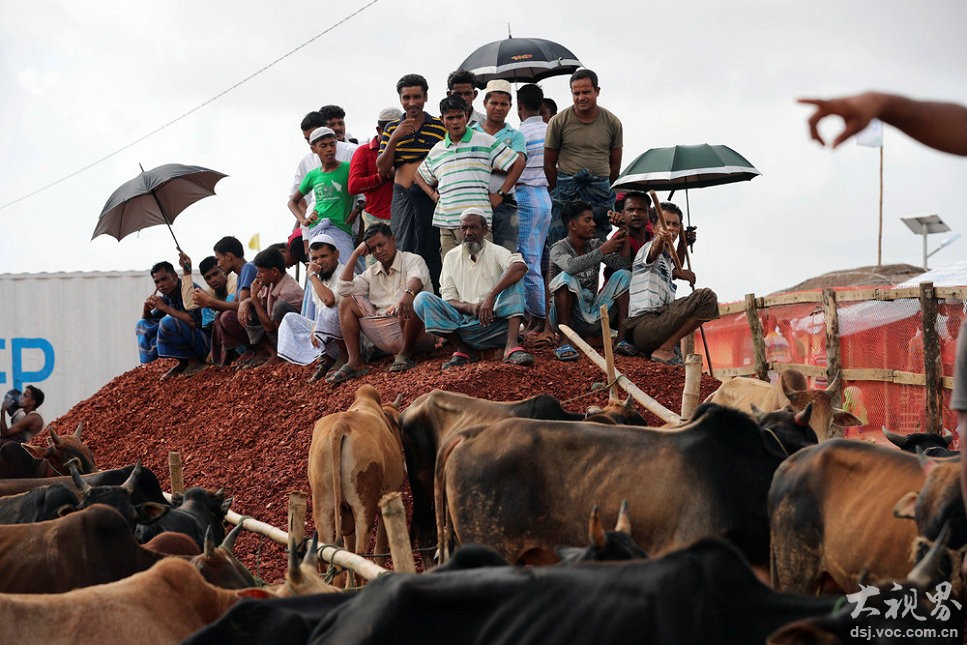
(628, 403)
(623, 525)
(77, 432)
(54, 439)
(229, 542)
(833, 387)
(132, 479)
(757, 413)
(595, 530)
(927, 571)
(294, 573)
(82, 486)
(398, 401)
(802, 417)
(312, 553)
(209, 543)
(897, 440)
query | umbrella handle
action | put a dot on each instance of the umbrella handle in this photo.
(165, 216)
(664, 225)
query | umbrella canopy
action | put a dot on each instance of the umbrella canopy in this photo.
(155, 197)
(685, 167)
(521, 60)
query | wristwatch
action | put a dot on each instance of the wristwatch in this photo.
(409, 291)
(502, 193)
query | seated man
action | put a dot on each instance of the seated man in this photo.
(27, 425)
(379, 304)
(220, 286)
(634, 217)
(227, 333)
(274, 294)
(481, 302)
(303, 340)
(657, 321)
(575, 263)
(167, 330)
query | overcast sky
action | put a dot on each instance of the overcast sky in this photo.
(80, 80)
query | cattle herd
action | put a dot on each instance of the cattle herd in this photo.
(742, 524)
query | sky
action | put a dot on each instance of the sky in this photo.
(79, 81)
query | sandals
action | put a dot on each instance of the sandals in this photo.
(345, 373)
(402, 364)
(459, 359)
(674, 360)
(517, 356)
(325, 364)
(625, 348)
(541, 339)
(566, 353)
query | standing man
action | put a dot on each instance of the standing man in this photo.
(274, 294)
(404, 145)
(227, 332)
(365, 178)
(497, 103)
(481, 301)
(464, 84)
(335, 118)
(582, 154)
(548, 109)
(167, 330)
(456, 173)
(657, 320)
(533, 204)
(28, 424)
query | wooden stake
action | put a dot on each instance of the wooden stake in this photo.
(175, 471)
(394, 519)
(758, 343)
(297, 516)
(608, 351)
(693, 385)
(651, 404)
(932, 368)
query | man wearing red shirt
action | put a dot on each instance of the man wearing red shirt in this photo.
(365, 178)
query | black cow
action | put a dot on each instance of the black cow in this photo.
(146, 488)
(605, 546)
(37, 505)
(119, 498)
(194, 513)
(930, 443)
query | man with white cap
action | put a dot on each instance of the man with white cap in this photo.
(303, 340)
(365, 178)
(497, 103)
(334, 210)
(481, 301)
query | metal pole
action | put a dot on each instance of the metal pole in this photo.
(879, 239)
(924, 247)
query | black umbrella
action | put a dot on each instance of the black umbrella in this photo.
(155, 197)
(520, 60)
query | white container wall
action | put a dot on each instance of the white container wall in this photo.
(68, 333)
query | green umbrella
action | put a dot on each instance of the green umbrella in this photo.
(685, 167)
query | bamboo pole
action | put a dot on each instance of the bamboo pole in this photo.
(932, 368)
(651, 404)
(758, 344)
(297, 515)
(608, 351)
(693, 384)
(394, 520)
(175, 471)
(834, 364)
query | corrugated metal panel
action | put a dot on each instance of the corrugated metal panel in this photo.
(86, 319)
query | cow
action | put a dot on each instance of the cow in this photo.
(24, 460)
(836, 513)
(146, 488)
(39, 504)
(604, 546)
(195, 511)
(931, 443)
(433, 417)
(515, 484)
(354, 459)
(165, 604)
(171, 543)
(789, 389)
(303, 578)
(119, 498)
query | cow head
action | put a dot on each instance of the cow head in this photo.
(915, 441)
(119, 498)
(605, 545)
(304, 579)
(60, 450)
(219, 565)
(616, 412)
(824, 414)
(789, 429)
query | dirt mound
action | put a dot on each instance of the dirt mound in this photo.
(249, 431)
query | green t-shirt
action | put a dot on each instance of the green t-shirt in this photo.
(331, 190)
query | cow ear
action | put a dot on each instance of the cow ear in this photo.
(226, 505)
(907, 506)
(255, 592)
(844, 418)
(38, 452)
(151, 512)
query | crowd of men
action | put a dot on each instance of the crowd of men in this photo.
(457, 228)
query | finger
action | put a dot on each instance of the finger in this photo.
(850, 130)
(813, 126)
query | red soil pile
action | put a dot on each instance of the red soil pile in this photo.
(249, 431)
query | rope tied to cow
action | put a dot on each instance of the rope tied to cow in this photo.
(595, 389)
(772, 434)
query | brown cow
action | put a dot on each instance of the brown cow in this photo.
(19, 460)
(164, 604)
(789, 389)
(355, 458)
(834, 513)
(520, 485)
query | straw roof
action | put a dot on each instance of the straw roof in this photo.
(871, 276)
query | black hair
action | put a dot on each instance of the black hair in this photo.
(637, 194)
(573, 209)
(281, 247)
(298, 249)
(551, 105)
(207, 264)
(461, 76)
(451, 103)
(584, 73)
(36, 394)
(270, 258)
(669, 207)
(376, 229)
(164, 265)
(312, 121)
(530, 96)
(332, 112)
(229, 244)
(411, 80)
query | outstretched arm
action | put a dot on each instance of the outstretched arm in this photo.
(942, 126)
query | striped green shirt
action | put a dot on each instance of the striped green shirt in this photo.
(461, 173)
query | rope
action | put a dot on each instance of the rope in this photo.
(595, 389)
(772, 433)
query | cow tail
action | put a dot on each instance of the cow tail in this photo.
(335, 452)
(443, 524)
